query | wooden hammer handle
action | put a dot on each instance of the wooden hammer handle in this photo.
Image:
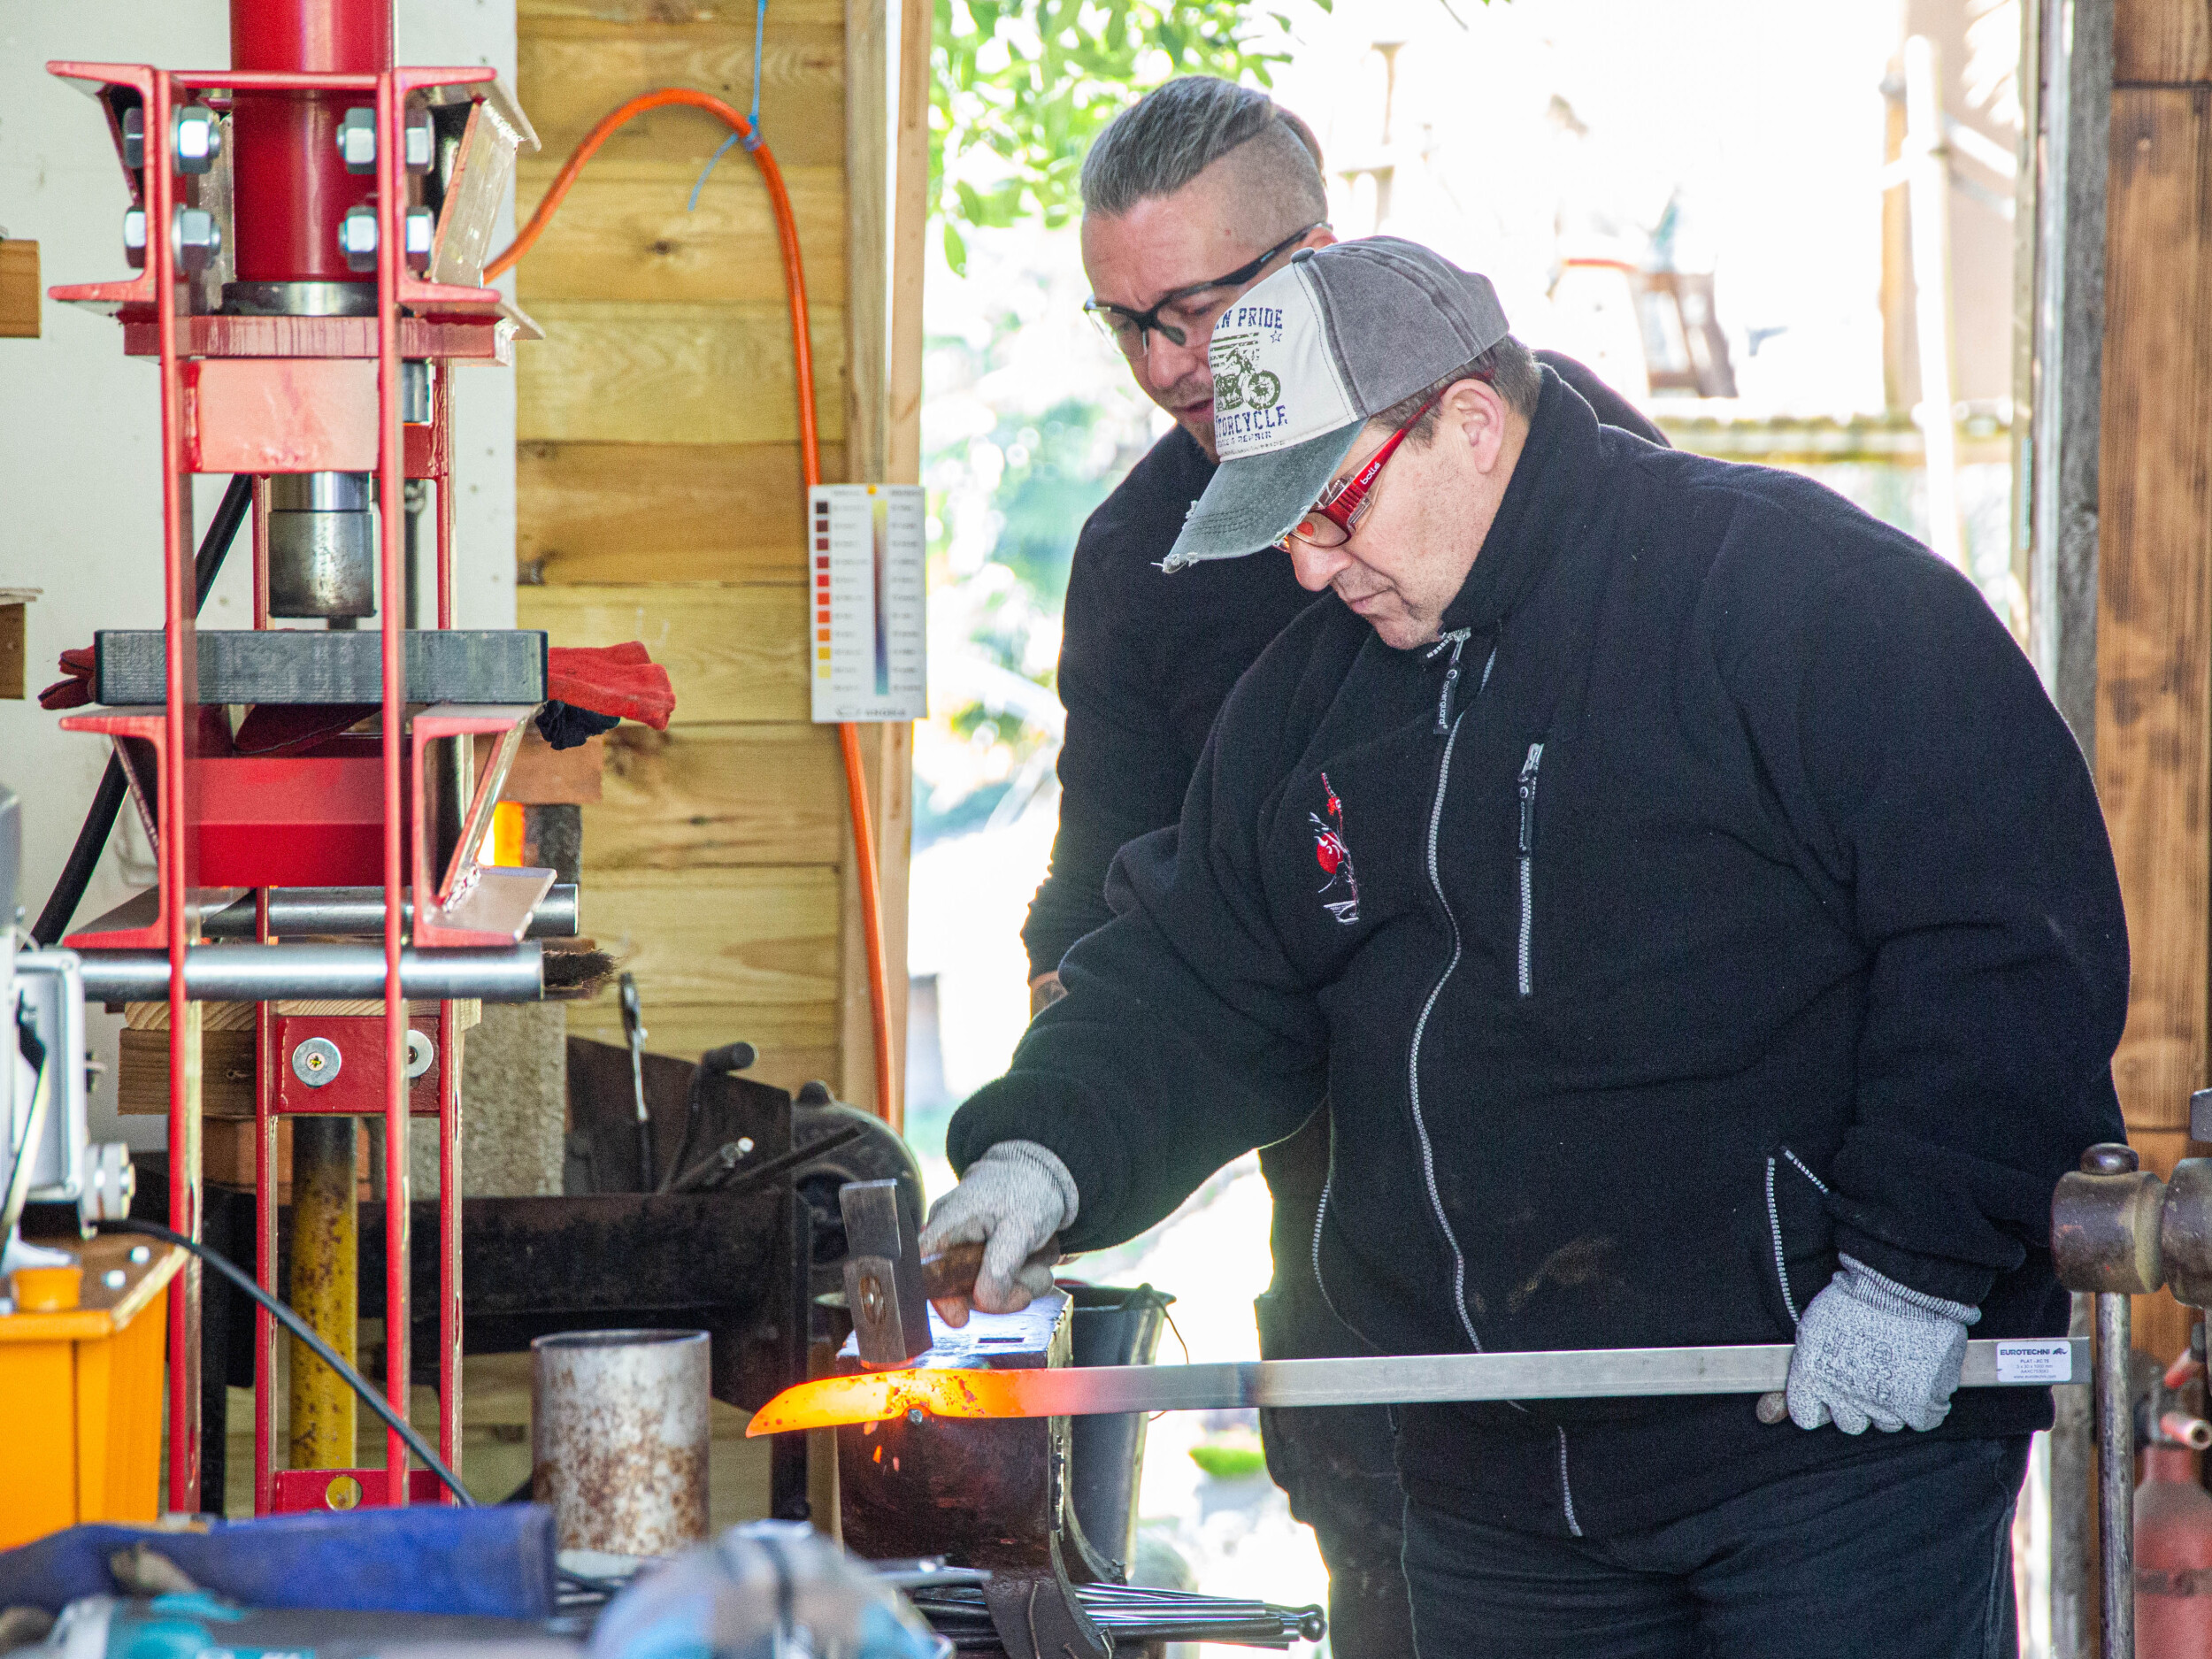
(952, 1271)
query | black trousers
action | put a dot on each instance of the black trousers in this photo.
(1905, 1552)
(1335, 1463)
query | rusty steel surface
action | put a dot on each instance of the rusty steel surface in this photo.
(2185, 1232)
(2114, 1408)
(326, 1237)
(611, 1251)
(2105, 1225)
(618, 1439)
(980, 1494)
(603, 1114)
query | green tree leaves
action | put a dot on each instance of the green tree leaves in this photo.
(1019, 88)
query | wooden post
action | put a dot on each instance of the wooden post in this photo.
(1930, 202)
(911, 225)
(867, 214)
(874, 439)
(2154, 745)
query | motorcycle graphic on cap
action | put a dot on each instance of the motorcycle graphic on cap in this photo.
(1242, 386)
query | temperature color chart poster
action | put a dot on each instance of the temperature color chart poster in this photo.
(866, 543)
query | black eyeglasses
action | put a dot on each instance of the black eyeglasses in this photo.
(1173, 315)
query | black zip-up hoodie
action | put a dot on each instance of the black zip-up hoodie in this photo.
(1721, 893)
(1147, 659)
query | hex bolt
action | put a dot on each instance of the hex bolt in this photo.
(357, 139)
(140, 1255)
(422, 225)
(199, 138)
(115, 1278)
(357, 238)
(422, 1054)
(135, 237)
(197, 239)
(422, 141)
(134, 137)
(316, 1062)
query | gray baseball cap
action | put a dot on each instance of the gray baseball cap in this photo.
(1302, 360)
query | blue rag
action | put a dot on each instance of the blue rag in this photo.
(496, 1560)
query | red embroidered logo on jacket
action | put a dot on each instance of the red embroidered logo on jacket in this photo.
(1333, 854)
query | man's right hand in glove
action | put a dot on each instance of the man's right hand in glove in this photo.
(1012, 1201)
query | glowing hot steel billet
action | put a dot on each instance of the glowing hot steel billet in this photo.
(1589, 1374)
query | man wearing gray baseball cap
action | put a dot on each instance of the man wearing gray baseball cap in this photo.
(1704, 928)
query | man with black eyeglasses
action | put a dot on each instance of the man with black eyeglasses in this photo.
(1191, 195)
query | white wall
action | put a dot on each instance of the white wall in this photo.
(80, 490)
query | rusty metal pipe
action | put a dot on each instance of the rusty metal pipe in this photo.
(325, 1287)
(2115, 1409)
(618, 1439)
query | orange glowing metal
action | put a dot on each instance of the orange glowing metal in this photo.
(879, 1396)
(1586, 1374)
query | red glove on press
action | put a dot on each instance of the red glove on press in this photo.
(617, 680)
(74, 690)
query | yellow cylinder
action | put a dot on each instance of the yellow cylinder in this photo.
(325, 1287)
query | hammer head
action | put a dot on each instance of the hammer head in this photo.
(883, 1275)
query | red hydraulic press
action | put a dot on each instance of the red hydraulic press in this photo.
(309, 226)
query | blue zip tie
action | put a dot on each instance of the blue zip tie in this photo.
(760, 27)
(751, 140)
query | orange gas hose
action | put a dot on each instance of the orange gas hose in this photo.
(811, 457)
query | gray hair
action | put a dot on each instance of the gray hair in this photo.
(1175, 132)
(1509, 367)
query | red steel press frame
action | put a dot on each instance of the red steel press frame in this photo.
(255, 395)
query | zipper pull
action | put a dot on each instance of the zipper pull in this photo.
(1458, 641)
(1528, 798)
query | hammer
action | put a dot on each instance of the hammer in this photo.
(888, 1283)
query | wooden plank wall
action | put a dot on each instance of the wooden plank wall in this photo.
(660, 497)
(2154, 603)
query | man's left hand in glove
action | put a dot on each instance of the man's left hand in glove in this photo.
(1873, 1350)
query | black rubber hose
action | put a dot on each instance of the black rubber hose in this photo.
(305, 1332)
(107, 801)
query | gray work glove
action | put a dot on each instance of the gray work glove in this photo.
(1873, 1350)
(1013, 1200)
